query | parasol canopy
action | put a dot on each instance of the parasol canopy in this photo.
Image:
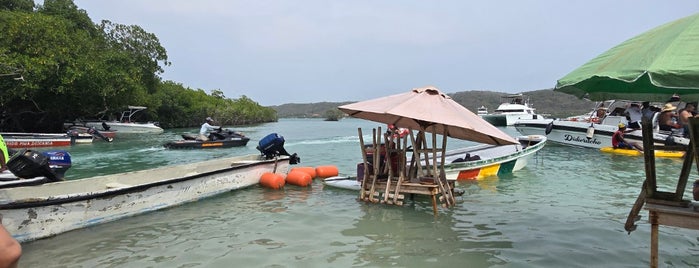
(427, 109)
(651, 66)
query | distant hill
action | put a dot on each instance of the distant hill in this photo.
(546, 101)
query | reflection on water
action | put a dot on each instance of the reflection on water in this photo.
(413, 238)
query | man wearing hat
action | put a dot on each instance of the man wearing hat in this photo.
(667, 120)
(205, 128)
(618, 141)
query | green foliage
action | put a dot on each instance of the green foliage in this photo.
(17, 5)
(73, 69)
(333, 114)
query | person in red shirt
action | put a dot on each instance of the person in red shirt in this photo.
(618, 141)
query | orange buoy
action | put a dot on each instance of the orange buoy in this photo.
(326, 171)
(310, 170)
(272, 180)
(299, 178)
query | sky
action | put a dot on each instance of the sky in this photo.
(304, 51)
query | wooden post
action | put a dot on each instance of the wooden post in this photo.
(402, 163)
(377, 163)
(649, 156)
(365, 163)
(653, 239)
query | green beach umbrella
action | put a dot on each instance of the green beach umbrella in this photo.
(651, 66)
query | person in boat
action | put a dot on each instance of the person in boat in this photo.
(634, 115)
(599, 115)
(618, 141)
(205, 128)
(685, 114)
(395, 132)
(466, 158)
(10, 249)
(647, 110)
(667, 120)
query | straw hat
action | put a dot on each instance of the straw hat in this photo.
(669, 107)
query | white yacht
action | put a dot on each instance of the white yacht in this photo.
(513, 107)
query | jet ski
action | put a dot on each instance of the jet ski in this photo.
(222, 138)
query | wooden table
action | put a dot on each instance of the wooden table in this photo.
(658, 214)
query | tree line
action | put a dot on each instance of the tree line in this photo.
(56, 65)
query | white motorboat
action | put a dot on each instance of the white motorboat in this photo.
(512, 108)
(482, 111)
(126, 125)
(588, 131)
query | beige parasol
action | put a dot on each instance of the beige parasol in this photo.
(427, 109)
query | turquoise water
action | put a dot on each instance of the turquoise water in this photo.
(567, 208)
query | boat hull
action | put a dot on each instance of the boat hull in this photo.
(33, 140)
(343, 182)
(194, 144)
(36, 212)
(579, 134)
(128, 128)
(507, 119)
(496, 160)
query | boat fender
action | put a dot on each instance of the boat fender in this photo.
(272, 180)
(299, 178)
(549, 127)
(590, 132)
(326, 171)
(310, 170)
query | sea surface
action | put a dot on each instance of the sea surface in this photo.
(567, 208)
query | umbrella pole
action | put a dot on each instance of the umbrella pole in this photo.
(414, 159)
(425, 150)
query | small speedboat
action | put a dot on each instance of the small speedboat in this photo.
(222, 138)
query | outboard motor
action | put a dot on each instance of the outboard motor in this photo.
(94, 132)
(30, 164)
(73, 134)
(272, 145)
(59, 162)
